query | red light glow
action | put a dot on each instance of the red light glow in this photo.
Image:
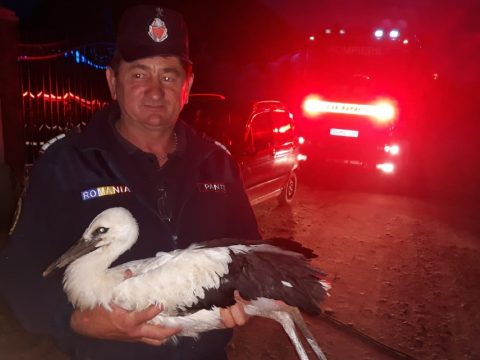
(301, 157)
(392, 149)
(91, 104)
(283, 129)
(384, 112)
(387, 168)
(312, 106)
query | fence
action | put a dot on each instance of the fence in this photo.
(61, 87)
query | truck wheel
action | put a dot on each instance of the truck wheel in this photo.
(289, 190)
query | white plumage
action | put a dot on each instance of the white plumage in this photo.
(193, 283)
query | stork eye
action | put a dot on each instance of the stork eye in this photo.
(99, 231)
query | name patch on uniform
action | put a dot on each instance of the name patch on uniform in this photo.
(104, 191)
(211, 187)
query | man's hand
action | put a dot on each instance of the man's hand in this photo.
(120, 324)
(235, 315)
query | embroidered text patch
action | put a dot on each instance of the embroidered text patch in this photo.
(211, 187)
(104, 191)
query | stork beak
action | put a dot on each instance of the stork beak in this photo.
(80, 248)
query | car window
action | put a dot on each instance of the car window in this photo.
(206, 116)
(217, 119)
(282, 128)
(262, 132)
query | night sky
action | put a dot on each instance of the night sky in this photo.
(226, 29)
(93, 19)
(263, 30)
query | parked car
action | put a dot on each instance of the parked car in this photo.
(261, 137)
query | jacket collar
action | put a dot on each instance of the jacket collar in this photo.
(100, 134)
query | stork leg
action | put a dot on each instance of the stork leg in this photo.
(192, 324)
(285, 319)
(268, 309)
(288, 316)
(300, 322)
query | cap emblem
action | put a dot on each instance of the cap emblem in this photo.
(157, 30)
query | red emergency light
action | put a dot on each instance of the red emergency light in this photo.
(382, 112)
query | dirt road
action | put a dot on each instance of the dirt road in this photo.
(404, 271)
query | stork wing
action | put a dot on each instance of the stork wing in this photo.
(139, 267)
(176, 279)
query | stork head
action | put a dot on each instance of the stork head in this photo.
(112, 232)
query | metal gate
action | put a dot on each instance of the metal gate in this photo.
(61, 86)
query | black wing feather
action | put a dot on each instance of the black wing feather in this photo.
(260, 272)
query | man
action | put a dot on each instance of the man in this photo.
(180, 187)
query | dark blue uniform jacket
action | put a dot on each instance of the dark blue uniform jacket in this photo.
(83, 174)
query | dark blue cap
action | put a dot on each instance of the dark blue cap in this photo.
(148, 30)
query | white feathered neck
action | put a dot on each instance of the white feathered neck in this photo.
(88, 281)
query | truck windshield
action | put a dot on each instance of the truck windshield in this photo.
(362, 68)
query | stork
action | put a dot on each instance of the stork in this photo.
(192, 284)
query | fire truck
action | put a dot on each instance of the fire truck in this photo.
(362, 96)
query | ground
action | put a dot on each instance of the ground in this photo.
(404, 271)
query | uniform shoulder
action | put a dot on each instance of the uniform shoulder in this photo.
(59, 143)
(207, 141)
(221, 146)
(50, 142)
(217, 146)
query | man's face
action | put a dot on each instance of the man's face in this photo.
(151, 92)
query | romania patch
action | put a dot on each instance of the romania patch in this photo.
(104, 191)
